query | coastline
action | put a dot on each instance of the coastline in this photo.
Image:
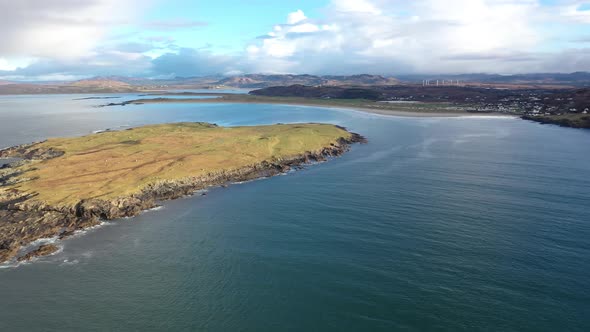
(232, 99)
(58, 222)
(578, 121)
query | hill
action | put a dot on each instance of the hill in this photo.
(106, 84)
(101, 83)
(262, 81)
(539, 80)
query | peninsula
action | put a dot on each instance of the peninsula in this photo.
(564, 107)
(401, 108)
(66, 184)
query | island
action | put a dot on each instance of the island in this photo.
(62, 185)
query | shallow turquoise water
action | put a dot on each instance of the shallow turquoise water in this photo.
(436, 224)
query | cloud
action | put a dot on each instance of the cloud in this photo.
(133, 47)
(71, 38)
(492, 56)
(101, 64)
(430, 36)
(577, 11)
(356, 7)
(185, 62)
(59, 28)
(5, 65)
(193, 62)
(296, 17)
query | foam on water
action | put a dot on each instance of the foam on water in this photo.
(67, 262)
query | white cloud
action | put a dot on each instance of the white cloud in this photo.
(286, 41)
(72, 37)
(296, 17)
(302, 28)
(356, 7)
(59, 28)
(6, 65)
(393, 36)
(572, 11)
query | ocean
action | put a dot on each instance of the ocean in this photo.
(445, 224)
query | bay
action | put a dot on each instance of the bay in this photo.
(436, 224)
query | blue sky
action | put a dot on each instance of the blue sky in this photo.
(69, 39)
(230, 24)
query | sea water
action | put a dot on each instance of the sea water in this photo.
(436, 224)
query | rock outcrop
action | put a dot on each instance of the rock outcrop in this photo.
(42, 250)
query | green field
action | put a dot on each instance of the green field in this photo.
(120, 163)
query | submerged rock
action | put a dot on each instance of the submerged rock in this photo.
(43, 250)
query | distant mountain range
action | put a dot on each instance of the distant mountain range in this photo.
(577, 79)
(114, 84)
(263, 81)
(100, 85)
(132, 84)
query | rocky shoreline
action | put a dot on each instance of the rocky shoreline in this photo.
(24, 219)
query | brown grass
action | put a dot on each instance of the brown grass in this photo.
(114, 164)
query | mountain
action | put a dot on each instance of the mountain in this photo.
(360, 80)
(114, 84)
(263, 81)
(576, 79)
(101, 83)
(325, 92)
(94, 85)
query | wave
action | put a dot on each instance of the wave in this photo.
(67, 262)
(14, 263)
(109, 129)
(84, 231)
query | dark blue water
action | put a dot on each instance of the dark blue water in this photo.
(436, 224)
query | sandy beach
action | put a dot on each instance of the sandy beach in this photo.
(239, 99)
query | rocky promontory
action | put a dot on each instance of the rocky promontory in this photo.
(64, 185)
(580, 120)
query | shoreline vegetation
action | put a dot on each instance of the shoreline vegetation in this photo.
(63, 185)
(563, 120)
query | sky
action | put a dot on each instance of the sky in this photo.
(74, 39)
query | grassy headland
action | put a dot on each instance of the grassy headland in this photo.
(69, 183)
